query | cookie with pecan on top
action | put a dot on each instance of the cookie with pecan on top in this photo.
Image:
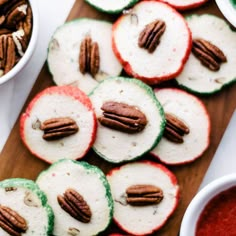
(211, 65)
(79, 195)
(80, 54)
(188, 127)
(59, 123)
(24, 209)
(152, 41)
(130, 119)
(145, 195)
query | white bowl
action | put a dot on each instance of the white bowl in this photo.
(31, 46)
(192, 214)
(228, 10)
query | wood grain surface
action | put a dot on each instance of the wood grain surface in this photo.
(16, 161)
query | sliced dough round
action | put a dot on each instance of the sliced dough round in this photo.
(169, 57)
(64, 52)
(117, 146)
(87, 180)
(24, 197)
(185, 4)
(59, 102)
(198, 78)
(143, 220)
(192, 112)
(111, 6)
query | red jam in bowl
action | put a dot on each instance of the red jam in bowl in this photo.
(219, 215)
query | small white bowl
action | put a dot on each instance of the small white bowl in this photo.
(192, 214)
(228, 10)
(30, 48)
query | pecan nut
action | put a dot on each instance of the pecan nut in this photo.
(57, 128)
(175, 128)
(75, 205)
(149, 38)
(15, 14)
(12, 222)
(89, 58)
(143, 195)
(209, 54)
(7, 53)
(122, 117)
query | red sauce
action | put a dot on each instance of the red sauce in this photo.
(218, 218)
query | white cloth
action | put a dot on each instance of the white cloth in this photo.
(13, 94)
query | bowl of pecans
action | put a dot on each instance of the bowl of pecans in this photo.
(18, 35)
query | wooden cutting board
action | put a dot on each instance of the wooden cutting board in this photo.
(16, 161)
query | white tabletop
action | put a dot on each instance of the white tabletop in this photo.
(224, 160)
(13, 94)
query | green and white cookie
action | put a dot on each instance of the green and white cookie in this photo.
(70, 184)
(22, 199)
(131, 120)
(65, 53)
(197, 77)
(111, 6)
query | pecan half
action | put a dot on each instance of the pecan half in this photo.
(3, 2)
(9, 54)
(175, 128)
(143, 194)
(150, 36)
(57, 128)
(16, 14)
(75, 205)
(21, 41)
(12, 222)
(26, 24)
(122, 117)
(89, 58)
(5, 31)
(208, 54)
(2, 20)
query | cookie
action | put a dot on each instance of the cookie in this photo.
(82, 186)
(185, 4)
(145, 195)
(111, 6)
(24, 209)
(188, 127)
(211, 65)
(130, 119)
(80, 54)
(58, 123)
(152, 42)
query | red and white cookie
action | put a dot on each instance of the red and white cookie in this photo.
(152, 41)
(135, 211)
(185, 4)
(187, 131)
(59, 123)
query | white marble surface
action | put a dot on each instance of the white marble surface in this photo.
(224, 160)
(13, 94)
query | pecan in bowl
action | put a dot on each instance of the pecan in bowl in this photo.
(18, 35)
